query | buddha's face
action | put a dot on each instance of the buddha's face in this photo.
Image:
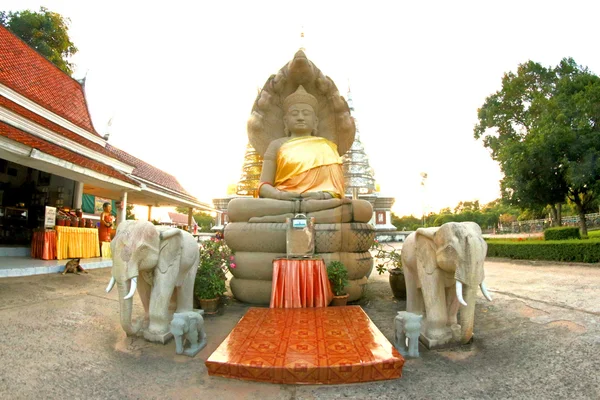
(300, 119)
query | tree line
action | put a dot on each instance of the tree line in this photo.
(496, 214)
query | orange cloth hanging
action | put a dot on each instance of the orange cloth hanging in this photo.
(43, 245)
(76, 242)
(300, 283)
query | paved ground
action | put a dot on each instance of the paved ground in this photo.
(539, 339)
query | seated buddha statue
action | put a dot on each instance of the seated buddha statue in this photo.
(302, 173)
(299, 125)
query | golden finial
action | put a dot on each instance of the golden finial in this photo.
(302, 39)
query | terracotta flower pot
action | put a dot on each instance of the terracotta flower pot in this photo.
(397, 283)
(339, 300)
(210, 306)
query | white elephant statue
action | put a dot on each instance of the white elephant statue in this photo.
(155, 261)
(443, 268)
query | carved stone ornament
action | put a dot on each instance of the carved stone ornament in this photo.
(266, 121)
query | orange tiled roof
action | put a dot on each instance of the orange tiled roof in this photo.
(180, 219)
(22, 111)
(25, 138)
(27, 72)
(148, 172)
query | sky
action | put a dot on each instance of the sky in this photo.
(178, 79)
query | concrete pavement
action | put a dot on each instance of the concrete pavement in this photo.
(539, 339)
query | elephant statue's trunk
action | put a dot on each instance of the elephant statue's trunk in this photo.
(467, 312)
(178, 344)
(126, 307)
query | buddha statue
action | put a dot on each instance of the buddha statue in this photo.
(298, 123)
(302, 173)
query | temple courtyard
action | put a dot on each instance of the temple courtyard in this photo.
(538, 339)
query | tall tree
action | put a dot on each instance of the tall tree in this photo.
(46, 32)
(542, 127)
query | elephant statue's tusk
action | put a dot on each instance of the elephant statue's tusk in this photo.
(111, 284)
(132, 290)
(485, 291)
(459, 293)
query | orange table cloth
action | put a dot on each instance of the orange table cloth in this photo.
(300, 283)
(43, 245)
(77, 242)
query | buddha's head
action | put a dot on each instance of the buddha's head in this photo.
(300, 117)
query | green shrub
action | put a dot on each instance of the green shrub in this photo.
(594, 234)
(338, 276)
(561, 250)
(562, 233)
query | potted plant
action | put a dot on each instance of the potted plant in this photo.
(389, 260)
(338, 277)
(215, 261)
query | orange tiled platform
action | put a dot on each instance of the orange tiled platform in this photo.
(306, 345)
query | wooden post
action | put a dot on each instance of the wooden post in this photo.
(150, 212)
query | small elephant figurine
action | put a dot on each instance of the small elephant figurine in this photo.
(407, 326)
(188, 326)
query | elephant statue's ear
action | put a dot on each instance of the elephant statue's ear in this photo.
(170, 249)
(426, 259)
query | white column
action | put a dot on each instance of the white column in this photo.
(77, 195)
(122, 210)
(190, 219)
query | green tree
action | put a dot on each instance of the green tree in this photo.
(129, 212)
(46, 32)
(542, 127)
(406, 223)
(204, 220)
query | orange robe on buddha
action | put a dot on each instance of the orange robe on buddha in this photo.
(309, 164)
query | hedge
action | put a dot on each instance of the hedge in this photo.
(587, 251)
(562, 233)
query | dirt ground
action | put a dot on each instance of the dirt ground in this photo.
(539, 339)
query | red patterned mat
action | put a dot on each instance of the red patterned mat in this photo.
(330, 345)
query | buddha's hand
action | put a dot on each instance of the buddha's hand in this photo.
(316, 196)
(289, 196)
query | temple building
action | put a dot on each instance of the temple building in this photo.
(51, 154)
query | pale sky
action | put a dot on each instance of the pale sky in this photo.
(179, 79)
